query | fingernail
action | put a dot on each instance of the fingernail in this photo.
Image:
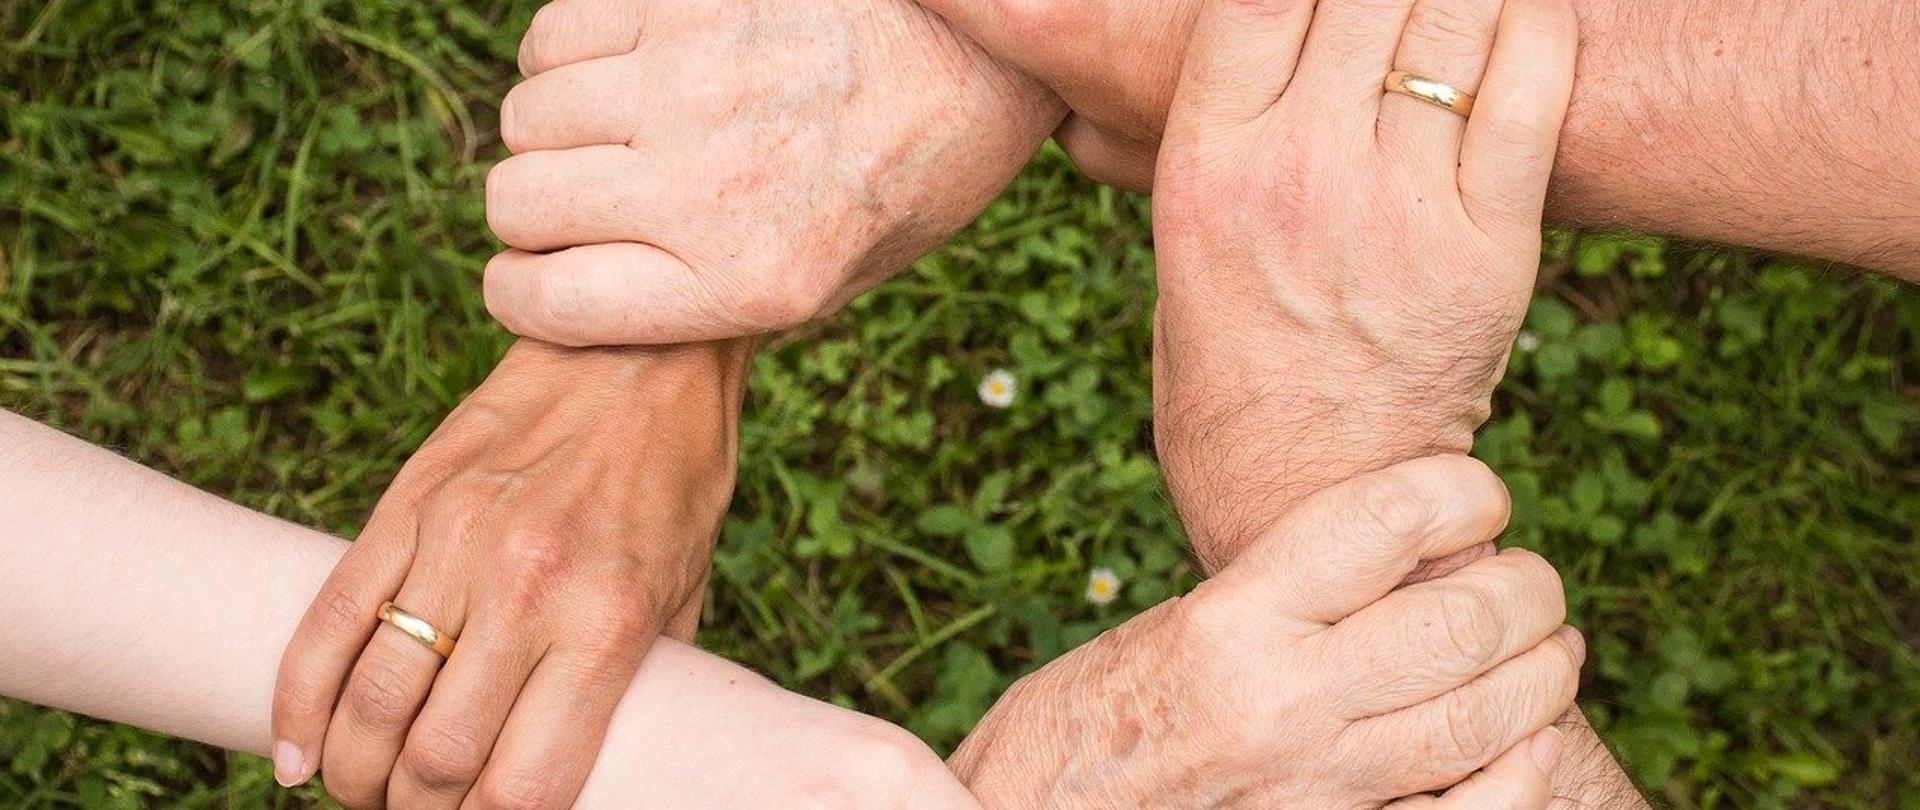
(289, 764)
(1545, 748)
(1574, 641)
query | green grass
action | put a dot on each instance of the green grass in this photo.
(240, 241)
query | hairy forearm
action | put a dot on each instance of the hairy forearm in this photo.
(135, 598)
(1788, 125)
(1239, 465)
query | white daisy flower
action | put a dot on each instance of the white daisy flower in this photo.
(1103, 586)
(1527, 343)
(998, 388)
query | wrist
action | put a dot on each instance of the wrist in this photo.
(1588, 775)
(1239, 454)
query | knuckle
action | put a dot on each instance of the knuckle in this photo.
(444, 756)
(338, 614)
(378, 693)
(558, 304)
(1541, 576)
(532, 550)
(527, 564)
(520, 788)
(1448, 28)
(1391, 505)
(1520, 128)
(627, 626)
(1470, 621)
(1471, 734)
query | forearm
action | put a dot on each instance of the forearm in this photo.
(1787, 125)
(1261, 457)
(135, 598)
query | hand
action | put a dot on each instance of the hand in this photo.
(1343, 271)
(693, 723)
(699, 169)
(1115, 64)
(562, 515)
(1301, 678)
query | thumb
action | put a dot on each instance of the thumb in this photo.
(1347, 546)
(1521, 779)
(1241, 59)
(620, 294)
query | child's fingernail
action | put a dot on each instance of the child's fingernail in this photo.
(289, 764)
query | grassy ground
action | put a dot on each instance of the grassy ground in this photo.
(240, 241)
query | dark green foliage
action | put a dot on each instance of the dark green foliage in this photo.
(241, 242)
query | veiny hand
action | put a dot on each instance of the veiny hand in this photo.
(558, 519)
(1343, 271)
(1300, 677)
(700, 169)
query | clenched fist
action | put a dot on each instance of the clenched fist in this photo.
(1300, 677)
(699, 169)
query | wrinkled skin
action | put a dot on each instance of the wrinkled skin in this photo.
(1340, 281)
(1300, 677)
(701, 169)
(558, 521)
(1114, 63)
(1357, 303)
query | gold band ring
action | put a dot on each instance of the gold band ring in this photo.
(1439, 94)
(421, 631)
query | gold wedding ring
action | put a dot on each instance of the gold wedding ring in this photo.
(1439, 94)
(421, 631)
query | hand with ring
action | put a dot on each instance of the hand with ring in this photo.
(1342, 268)
(472, 645)
(1347, 240)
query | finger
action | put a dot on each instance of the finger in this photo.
(1347, 546)
(1350, 51)
(1435, 569)
(329, 640)
(450, 741)
(1447, 738)
(554, 734)
(567, 107)
(1521, 779)
(1447, 41)
(388, 685)
(624, 294)
(1105, 158)
(541, 201)
(567, 31)
(1241, 58)
(1507, 157)
(1423, 641)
